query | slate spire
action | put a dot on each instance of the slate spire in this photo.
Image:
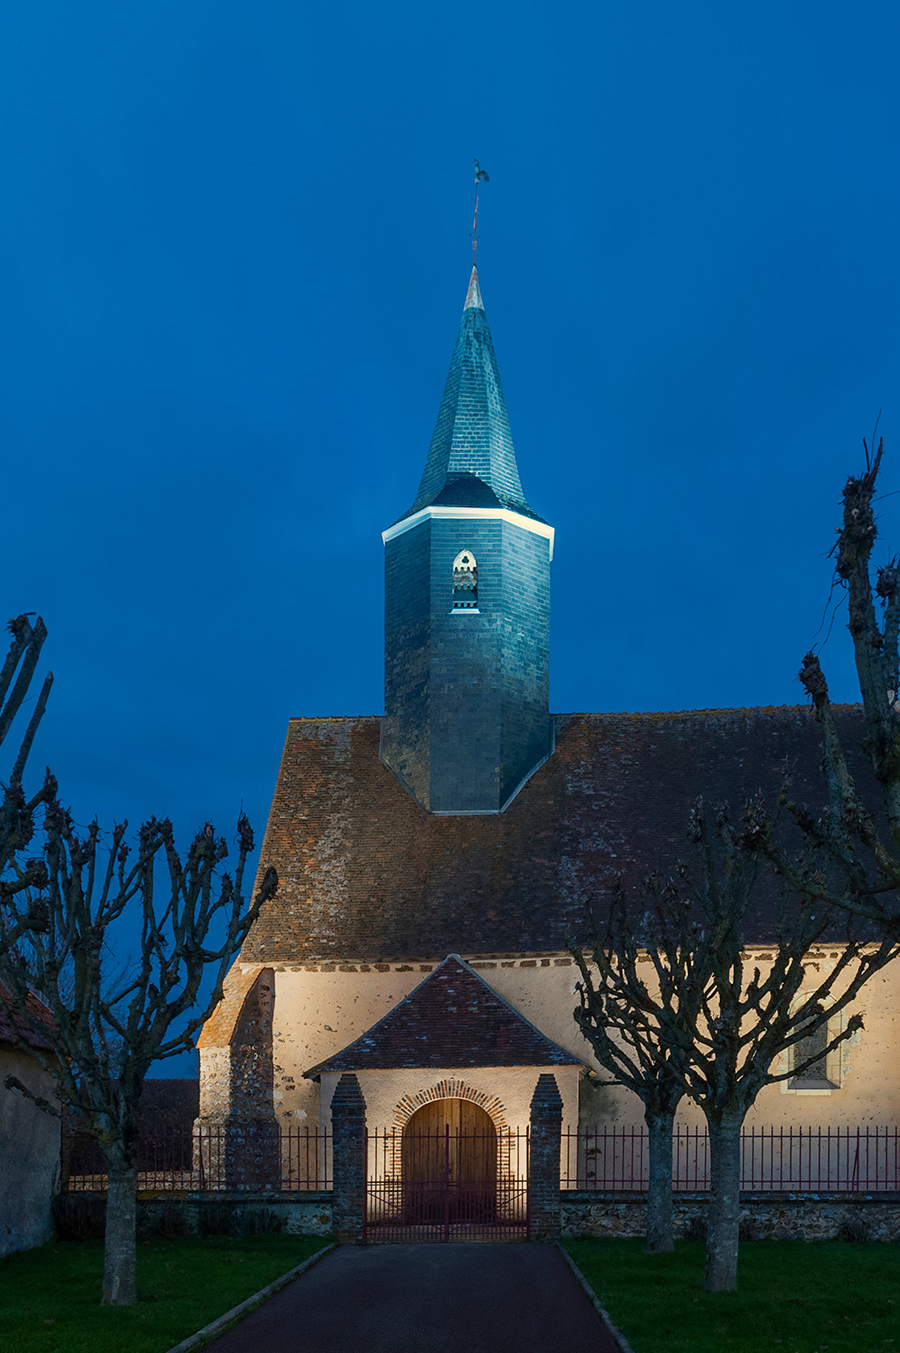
(467, 604)
(471, 461)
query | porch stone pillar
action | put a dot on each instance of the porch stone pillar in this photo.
(237, 1141)
(543, 1175)
(348, 1124)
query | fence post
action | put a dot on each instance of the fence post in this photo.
(543, 1175)
(348, 1121)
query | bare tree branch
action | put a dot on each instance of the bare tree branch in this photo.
(862, 841)
(97, 1030)
(712, 1024)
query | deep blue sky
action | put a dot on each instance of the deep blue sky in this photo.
(234, 245)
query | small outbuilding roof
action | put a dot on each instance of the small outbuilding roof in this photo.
(18, 1031)
(451, 1019)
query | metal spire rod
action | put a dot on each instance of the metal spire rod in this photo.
(480, 176)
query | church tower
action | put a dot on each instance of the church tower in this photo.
(467, 604)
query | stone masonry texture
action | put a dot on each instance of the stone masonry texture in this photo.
(348, 1121)
(763, 1216)
(543, 1172)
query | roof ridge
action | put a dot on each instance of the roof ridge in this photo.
(605, 713)
(333, 718)
(681, 713)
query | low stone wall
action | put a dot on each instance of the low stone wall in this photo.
(764, 1216)
(80, 1215)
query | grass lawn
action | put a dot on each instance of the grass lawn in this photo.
(50, 1297)
(795, 1297)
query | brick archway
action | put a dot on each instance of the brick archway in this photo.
(450, 1088)
(500, 1199)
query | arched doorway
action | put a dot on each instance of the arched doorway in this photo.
(449, 1161)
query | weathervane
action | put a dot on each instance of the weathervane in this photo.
(480, 177)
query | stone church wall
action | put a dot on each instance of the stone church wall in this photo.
(866, 1068)
(504, 1092)
(29, 1155)
(320, 1008)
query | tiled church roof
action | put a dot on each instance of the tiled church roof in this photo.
(452, 1019)
(368, 875)
(471, 461)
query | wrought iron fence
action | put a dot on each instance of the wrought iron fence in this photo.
(775, 1159)
(210, 1158)
(306, 1159)
(446, 1184)
(834, 1159)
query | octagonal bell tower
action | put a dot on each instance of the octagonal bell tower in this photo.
(467, 604)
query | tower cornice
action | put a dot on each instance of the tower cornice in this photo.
(537, 528)
(467, 605)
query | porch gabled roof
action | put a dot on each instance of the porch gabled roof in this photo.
(451, 1019)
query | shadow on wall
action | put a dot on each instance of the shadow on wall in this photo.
(29, 1154)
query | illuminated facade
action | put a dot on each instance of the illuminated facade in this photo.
(470, 827)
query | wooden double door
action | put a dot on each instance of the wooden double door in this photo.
(449, 1161)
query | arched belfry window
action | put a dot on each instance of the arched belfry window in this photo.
(465, 582)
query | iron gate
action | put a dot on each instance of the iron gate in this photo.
(446, 1185)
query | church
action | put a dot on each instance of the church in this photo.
(436, 863)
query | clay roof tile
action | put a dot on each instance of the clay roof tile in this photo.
(452, 1018)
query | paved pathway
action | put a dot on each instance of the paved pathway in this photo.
(426, 1299)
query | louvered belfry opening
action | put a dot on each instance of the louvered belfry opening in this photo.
(465, 582)
(467, 604)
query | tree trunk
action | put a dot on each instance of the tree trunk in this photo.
(120, 1247)
(724, 1203)
(659, 1194)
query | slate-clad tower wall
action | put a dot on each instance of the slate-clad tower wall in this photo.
(467, 604)
(406, 730)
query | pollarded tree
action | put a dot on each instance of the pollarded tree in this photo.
(862, 839)
(109, 1023)
(15, 681)
(16, 812)
(617, 1017)
(728, 1024)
